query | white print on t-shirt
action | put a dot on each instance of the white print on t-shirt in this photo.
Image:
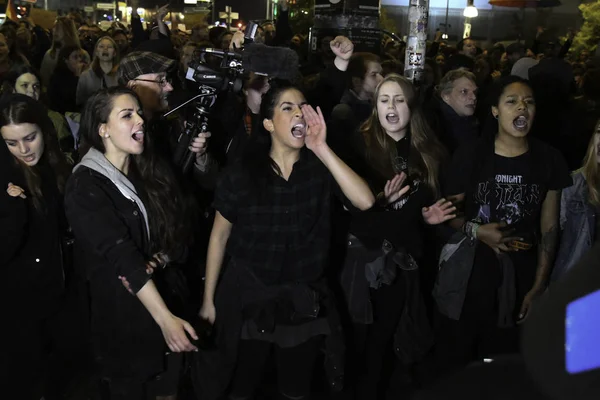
(515, 200)
(404, 199)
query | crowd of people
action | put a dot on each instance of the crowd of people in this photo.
(350, 223)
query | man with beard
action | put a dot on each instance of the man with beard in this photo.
(146, 73)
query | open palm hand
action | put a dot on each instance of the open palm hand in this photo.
(440, 212)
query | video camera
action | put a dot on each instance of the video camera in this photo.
(220, 71)
(214, 71)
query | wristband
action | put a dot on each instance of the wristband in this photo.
(470, 229)
(474, 229)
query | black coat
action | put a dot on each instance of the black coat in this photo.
(62, 91)
(452, 129)
(111, 241)
(30, 256)
(31, 284)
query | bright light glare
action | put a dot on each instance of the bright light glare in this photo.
(470, 12)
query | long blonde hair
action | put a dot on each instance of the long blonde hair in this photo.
(426, 151)
(591, 170)
(70, 36)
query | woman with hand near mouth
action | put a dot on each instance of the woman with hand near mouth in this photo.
(102, 74)
(32, 272)
(399, 156)
(580, 211)
(126, 213)
(510, 186)
(273, 220)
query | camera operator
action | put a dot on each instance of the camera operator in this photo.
(147, 74)
(237, 116)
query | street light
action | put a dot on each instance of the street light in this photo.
(470, 11)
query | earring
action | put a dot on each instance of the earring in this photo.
(106, 135)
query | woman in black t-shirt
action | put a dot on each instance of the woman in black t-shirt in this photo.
(510, 187)
(394, 145)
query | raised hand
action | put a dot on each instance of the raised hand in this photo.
(342, 47)
(442, 211)
(237, 42)
(316, 131)
(15, 191)
(393, 190)
(161, 13)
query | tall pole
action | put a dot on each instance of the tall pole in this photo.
(418, 16)
(446, 24)
(214, 7)
(467, 30)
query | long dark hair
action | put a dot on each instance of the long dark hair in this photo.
(257, 158)
(426, 152)
(170, 227)
(70, 36)
(9, 83)
(491, 123)
(61, 64)
(18, 109)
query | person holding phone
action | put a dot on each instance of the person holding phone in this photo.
(509, 187)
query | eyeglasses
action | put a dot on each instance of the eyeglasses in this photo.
(163, 82)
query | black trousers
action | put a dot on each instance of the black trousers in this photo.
(138, 388)
(376, 341)
(294, 368)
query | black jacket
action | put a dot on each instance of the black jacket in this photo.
(62, 92)
(111, 241)
(452, 129)
(30, 256)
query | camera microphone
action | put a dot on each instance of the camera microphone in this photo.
(276, 62)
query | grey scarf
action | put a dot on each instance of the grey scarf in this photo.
(97, 162)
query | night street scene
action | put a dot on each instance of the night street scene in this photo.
(300, 199)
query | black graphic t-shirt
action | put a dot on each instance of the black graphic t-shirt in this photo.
(513, 195)
(506, 189)
(509, 189)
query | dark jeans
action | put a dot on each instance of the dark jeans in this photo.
(294, 368)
